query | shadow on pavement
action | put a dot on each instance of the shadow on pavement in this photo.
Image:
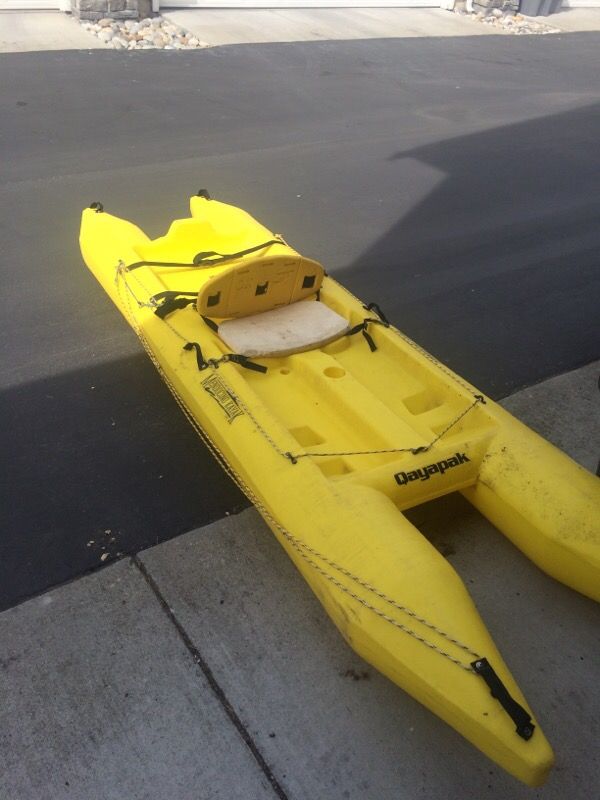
(99, 455)
(496, 271)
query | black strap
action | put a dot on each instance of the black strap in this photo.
(172, 301)
(245, 362)
(516, 712)
(375, 307)
(204, 259)
(203, 363)
(207, 257)
(137, 264)
(210, 323)
(362, 328)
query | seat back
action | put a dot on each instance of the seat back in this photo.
(258, 284)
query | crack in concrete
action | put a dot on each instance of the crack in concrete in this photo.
(212, 681)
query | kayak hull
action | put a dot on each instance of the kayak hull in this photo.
(332, 444)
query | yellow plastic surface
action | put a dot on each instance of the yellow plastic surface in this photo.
(392, 595)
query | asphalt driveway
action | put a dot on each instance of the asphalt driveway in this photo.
(452, 180)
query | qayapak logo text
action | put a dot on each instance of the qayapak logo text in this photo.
(425, 473)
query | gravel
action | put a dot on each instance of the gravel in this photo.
(146, 34)
(507, 21)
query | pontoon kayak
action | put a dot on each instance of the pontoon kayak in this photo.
(333, 423)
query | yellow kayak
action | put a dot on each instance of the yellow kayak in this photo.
(333, 423)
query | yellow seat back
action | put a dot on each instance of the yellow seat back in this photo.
(258, 284)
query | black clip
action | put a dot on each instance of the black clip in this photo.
(516, 712)
(200, 361)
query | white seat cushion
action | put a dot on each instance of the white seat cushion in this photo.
(300, 326)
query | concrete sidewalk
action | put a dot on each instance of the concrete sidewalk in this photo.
(22, 31)
(26, 31)
(205, 668)
(251, 26)
(573, 20)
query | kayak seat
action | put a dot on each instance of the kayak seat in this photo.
(268, 304)
(257, 292)
(253, 284)
(294, 328)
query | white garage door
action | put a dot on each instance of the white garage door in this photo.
(33, 5)
(299, 3)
